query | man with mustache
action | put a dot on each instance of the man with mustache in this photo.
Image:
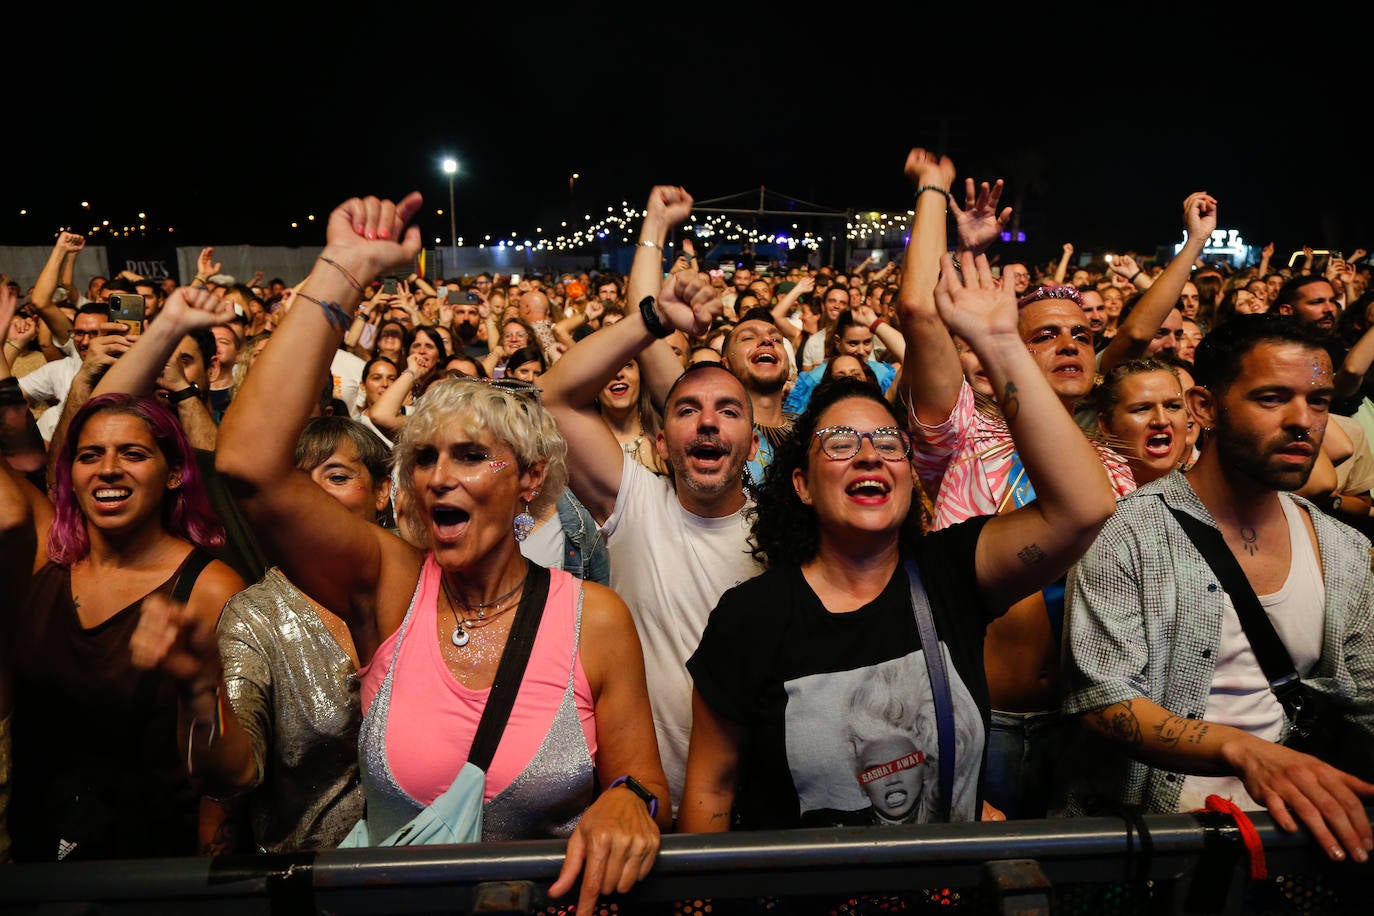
(1159, 666)
(676, 543)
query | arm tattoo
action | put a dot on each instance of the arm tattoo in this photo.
(1119, 723)
(1031, 554)
(1011, 404)
(1177, 730)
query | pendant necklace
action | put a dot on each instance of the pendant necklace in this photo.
(632, 447)
(461, 625)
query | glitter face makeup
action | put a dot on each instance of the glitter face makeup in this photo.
(499, 466)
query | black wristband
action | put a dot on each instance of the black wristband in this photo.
(1131, 278)
(651, 320)
(185, 394)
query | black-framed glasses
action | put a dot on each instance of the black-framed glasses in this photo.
(840, 443)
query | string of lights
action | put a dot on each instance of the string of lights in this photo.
(616, 226)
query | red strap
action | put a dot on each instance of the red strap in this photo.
(1248, 833)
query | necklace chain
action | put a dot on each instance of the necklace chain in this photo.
(461, 625)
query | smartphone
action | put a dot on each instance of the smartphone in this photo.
(514, 279)
(127, 309)
(389, 286)
(456, 296)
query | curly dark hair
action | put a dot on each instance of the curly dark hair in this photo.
(784, 530)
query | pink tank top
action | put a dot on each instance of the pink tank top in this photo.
(432, 717)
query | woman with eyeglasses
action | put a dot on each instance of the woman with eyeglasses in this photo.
(431, 613)
(789, 656)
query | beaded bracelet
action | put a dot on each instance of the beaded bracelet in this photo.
(336, 315)
(943, 192)
(343, 270)
(648, 244)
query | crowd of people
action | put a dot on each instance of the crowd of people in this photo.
(378, 559)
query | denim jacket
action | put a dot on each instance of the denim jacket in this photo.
(586, 558)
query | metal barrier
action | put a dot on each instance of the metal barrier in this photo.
(1177, 863)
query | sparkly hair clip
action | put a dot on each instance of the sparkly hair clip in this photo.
(1050, 291)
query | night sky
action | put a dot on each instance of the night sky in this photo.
(1100, 123)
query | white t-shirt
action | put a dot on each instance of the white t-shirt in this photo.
(671, 567)
(347, 371)
(49, 383)
(1240, 694)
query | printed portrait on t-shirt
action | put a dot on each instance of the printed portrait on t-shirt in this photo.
(863, 746)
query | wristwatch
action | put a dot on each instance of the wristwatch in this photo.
(185, 394)
(649, 798)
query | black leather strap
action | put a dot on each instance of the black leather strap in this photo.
(511, 671)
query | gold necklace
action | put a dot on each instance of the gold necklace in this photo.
(461, 625)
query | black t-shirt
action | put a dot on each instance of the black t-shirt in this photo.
(837, 717)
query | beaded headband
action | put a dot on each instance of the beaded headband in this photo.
(1050, 291)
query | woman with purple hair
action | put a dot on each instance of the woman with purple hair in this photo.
(105, 753)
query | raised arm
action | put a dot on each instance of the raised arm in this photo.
(149, 362)
(668, 206)
(931, 373)
(1133, 336)
(68, 246)
(329, 553)
(685, 302)
(1061, 270)
(1030, 547)
(782, 310)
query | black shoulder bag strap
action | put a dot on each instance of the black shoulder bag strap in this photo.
(1269, 649)
(511, 671)
(939, 685)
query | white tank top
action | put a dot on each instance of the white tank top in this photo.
(1240, 694)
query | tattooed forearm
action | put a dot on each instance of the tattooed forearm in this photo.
(1177, 730)
(1031, 554)
(717, 816)
(1011, 403)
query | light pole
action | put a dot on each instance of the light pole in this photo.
(451, 169)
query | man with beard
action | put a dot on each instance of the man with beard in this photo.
(676, 543)
(467, 328)
(1162, 678)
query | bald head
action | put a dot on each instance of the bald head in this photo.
(534, 306)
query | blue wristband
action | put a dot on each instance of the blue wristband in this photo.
(649, 798)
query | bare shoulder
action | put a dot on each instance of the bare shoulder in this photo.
(217, 583)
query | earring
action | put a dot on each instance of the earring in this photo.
(524, 522)
(173, 481)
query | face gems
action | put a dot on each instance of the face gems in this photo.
(1319, 374)
(499, 466)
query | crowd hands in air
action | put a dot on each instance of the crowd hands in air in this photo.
(304, 512)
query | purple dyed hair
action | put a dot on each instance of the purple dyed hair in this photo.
(186, 511)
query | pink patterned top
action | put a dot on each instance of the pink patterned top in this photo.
(970, 463)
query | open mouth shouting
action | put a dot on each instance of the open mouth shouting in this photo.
(1160, 444)
(707, 453)
(449, 523)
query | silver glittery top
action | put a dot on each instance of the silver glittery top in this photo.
(545, 800)
(295, 690)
